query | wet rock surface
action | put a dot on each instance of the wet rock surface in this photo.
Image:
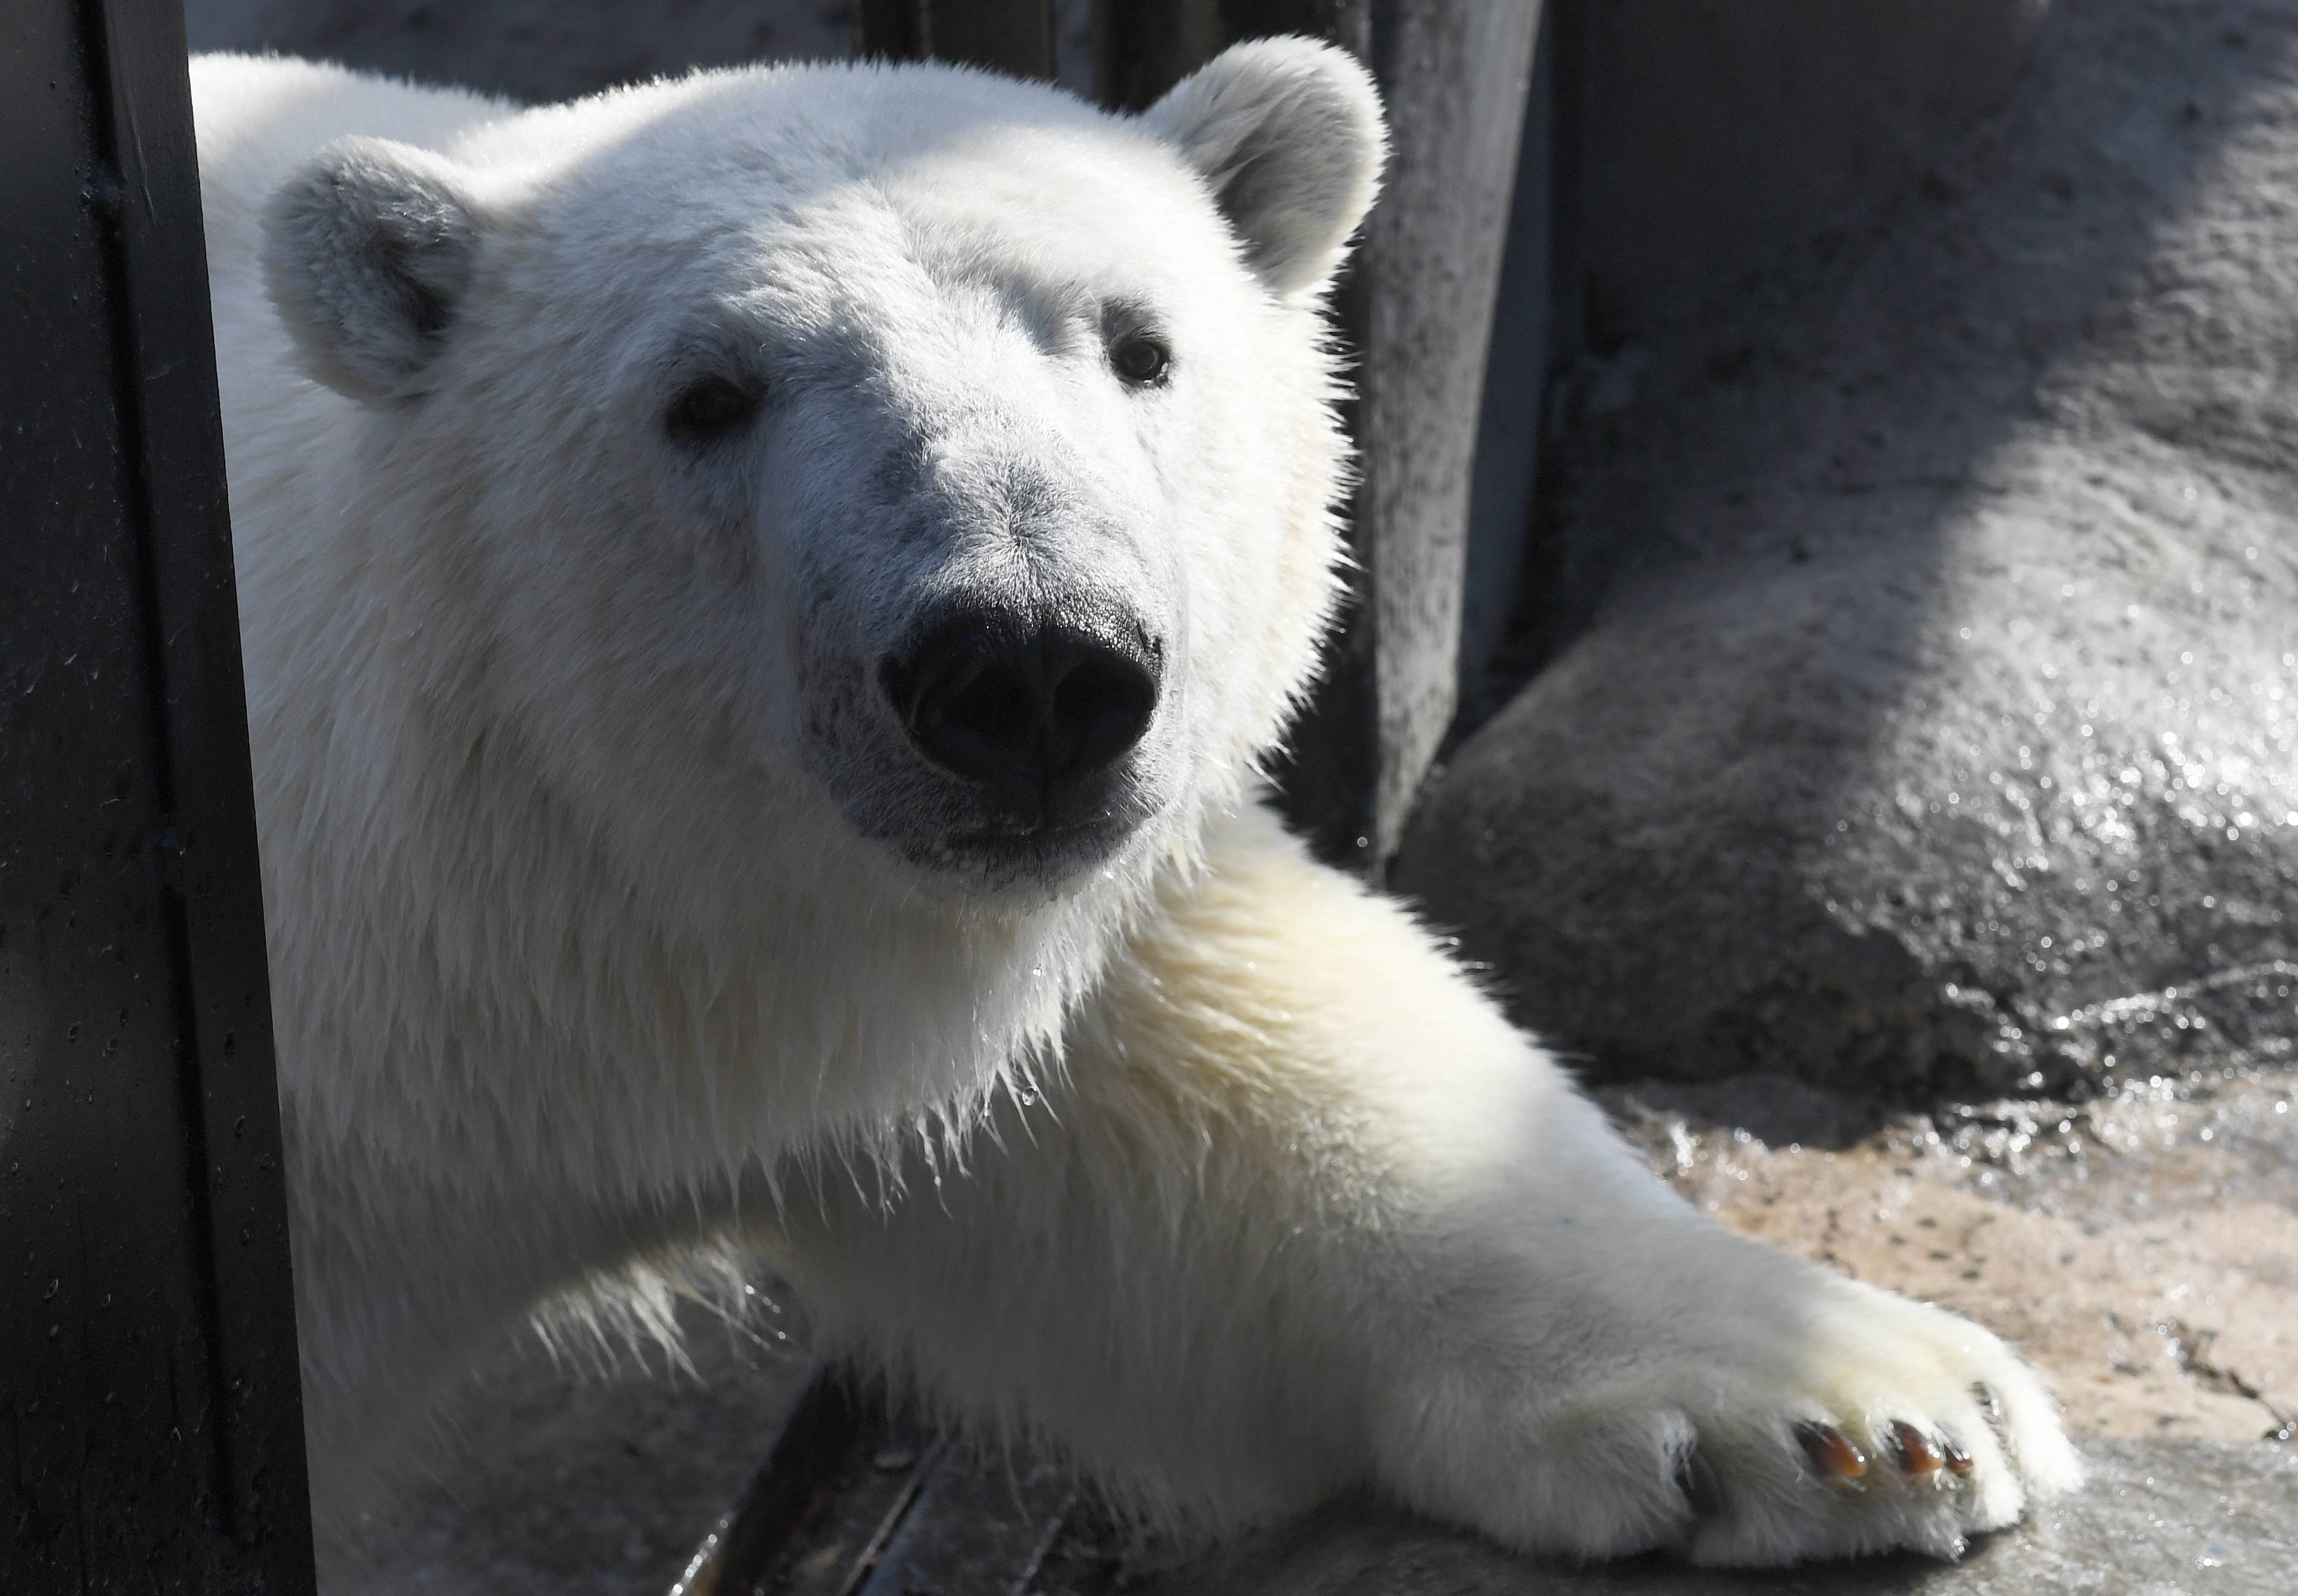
(1930, 714)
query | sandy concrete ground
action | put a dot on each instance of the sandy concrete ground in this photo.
(2158, 1518)
(2142, 1249)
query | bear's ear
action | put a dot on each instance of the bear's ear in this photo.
(1289, 135)
(367, 250)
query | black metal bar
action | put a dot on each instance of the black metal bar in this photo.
(975, 1526)
(1568, 199)
(890, 30)
(1348, 23)
(219, 891)
(852, 1501)
(825, 1426)
(148, 1394)
(1330, 774)
(1512, 564)
(1143, 47)
(1013, 37)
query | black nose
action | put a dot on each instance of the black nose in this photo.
(1034, 714)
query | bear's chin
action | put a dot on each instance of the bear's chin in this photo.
(1026, 866)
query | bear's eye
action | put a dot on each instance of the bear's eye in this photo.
(1140, 358)
(708, 409)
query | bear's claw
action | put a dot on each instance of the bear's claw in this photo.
(1917, 1453)
(1864, 1434)
(1695, 1477)
(1831, 1451)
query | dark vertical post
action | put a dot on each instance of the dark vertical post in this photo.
(1331, 769)
(1143, 47)
(1456, 80)
(1013, 37)
(1418, 305)
(1512, 560)
(148, 1394)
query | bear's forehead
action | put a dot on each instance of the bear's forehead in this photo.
(944, 166)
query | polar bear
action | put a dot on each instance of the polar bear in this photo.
(765, 598)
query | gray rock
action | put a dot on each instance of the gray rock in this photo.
(1931, 710)
(2191, 1520)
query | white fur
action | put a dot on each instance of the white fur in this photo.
(606, 910)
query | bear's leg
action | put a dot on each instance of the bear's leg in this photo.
(1306, 1213)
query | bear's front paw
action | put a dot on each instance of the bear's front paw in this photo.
(1826, 1419)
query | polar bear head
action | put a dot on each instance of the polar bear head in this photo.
(922, 464)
